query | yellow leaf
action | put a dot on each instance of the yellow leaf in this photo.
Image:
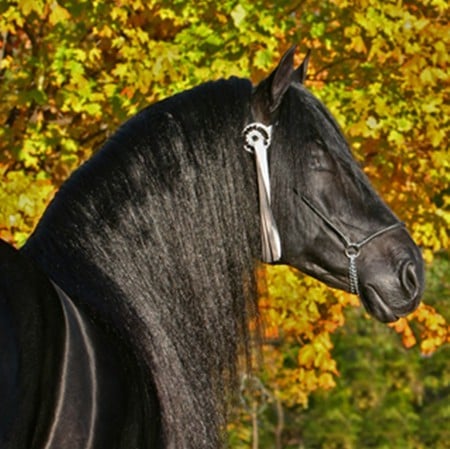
(427, 76)
(326, 381)
(357, 43)
(28, 6)
(58, 14)
(306, 356)
(238, 15)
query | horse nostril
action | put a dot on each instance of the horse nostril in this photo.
(410, 280)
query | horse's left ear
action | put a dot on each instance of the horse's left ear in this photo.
(268, 93)
(300, 72)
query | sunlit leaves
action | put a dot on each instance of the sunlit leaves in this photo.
(22, 201)
(299, 314)
(433, 330)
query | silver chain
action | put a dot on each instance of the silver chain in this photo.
(353, 275)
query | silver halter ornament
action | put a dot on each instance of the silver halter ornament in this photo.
(257, 141)
(258, 138)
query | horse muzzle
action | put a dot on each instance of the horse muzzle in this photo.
(390, 294)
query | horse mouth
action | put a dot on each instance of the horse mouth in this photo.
(375, 305)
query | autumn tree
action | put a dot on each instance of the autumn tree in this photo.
(72, 71)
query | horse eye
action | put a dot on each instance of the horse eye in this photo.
(319, 158)
(319, 143)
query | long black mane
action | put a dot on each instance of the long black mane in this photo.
(158, 234)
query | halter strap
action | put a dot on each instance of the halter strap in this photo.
(352, 249)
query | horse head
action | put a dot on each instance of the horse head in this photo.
(319, 212)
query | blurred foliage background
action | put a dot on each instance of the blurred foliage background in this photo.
(71, 71)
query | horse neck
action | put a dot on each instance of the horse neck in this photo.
(167, 234)
(159, 191)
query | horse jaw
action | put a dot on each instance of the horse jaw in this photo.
(390, 274)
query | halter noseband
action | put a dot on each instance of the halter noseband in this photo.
(352, 249)
(257, 138)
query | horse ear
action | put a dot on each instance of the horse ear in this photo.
(300, 72)
(268, 93)
(282, 77)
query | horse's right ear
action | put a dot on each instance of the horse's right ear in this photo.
(300, 72)
(267, 96)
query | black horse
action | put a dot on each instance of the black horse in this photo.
(122, 316)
